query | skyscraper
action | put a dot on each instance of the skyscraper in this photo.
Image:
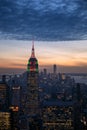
(3, 96)
(54, 69)
(14, 103)
(32, 90)
(5, 116)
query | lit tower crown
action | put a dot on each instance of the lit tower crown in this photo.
(32, 62)
(33, 52)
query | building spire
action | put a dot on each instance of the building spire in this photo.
(33, 52)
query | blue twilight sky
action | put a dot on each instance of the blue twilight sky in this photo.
(59, 28)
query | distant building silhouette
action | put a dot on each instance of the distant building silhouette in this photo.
(45, 71)
(54, 69)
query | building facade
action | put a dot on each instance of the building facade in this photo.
(57, 115)
(5, 115)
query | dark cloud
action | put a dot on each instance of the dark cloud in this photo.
(43, 20)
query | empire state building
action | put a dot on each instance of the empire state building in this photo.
(32, 85)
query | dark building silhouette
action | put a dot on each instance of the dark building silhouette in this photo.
(15, 107)
(54, 69)
(45, 71)
(77, 108)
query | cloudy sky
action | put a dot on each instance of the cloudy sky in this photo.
(59, 28)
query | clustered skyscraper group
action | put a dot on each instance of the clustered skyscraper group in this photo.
(40, 101)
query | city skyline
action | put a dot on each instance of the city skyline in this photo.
(43, 65)
(69, 56)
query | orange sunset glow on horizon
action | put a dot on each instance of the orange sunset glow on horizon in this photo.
(68, 54)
